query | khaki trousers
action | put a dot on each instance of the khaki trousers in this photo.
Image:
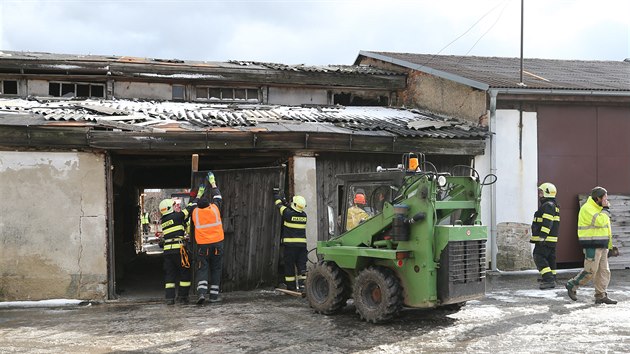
(597, 269)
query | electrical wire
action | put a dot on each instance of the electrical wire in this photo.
(465, 32)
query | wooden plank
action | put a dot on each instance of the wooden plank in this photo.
(290, 292)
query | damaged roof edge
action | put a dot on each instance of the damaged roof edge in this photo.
(425, 69)
(37, 137)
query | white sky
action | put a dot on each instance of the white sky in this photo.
(318, 31)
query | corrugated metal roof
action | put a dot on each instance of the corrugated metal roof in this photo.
(342, 69)
(198, 116)
(67, 60)
(538, 73)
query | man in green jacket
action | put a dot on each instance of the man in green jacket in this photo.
(595, 236)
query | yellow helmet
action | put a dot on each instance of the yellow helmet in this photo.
(298, 203)
(166, 206)
(548, 189)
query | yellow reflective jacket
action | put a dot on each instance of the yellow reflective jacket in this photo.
(355, 216)
(594, 226)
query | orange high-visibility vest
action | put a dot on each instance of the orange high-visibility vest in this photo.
(208, 226)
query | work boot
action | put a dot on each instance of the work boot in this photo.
(215, 298)
(201, 299)
(170, 301)
(571, 291)
(605, 300)
(547, 285)
(183, 300)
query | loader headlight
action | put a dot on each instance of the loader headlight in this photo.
(441, 181)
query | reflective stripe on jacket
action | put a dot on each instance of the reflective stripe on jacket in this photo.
(594, 226)
(208, 226)
(173, 224)
(293, 226)
(546, 223)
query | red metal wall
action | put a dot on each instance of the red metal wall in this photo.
(580, 147)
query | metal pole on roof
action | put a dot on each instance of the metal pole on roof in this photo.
(522, 8)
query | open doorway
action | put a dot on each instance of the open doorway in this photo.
(140, 182)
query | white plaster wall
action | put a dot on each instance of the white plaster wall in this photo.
(294, 96)
(38, 87)
(305, 179)
(52, 225)
(517, 197)
(148, 90)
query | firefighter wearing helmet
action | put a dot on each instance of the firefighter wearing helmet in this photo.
(356, 214)
(176, 262)
(545, 231)
(293, 239)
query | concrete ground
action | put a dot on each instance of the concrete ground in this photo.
(514, 317)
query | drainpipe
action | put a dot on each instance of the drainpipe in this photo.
(493, 189)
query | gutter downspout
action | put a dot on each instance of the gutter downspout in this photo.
(493, 190)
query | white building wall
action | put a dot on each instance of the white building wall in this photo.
(146, 90)
(517, 198)
(295, 96)
(37, 87)
(52, 225)
(305, 180)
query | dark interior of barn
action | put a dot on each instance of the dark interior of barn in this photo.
(137, 274)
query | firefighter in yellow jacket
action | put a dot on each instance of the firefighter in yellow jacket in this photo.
(595, 236)
(293, 239)
(209, 237)
(356, 214)
(176, 262)
(545, 231)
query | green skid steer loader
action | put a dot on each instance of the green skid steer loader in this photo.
(422, 246)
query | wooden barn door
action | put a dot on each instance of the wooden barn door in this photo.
(251, 224)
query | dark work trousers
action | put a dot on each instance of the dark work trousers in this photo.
(173, 271)
(209, 256)
(294, 258)
(545, 259)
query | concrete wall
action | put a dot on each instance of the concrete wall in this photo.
(517, 196)
(147, 90)
(305, 180)
(53, 231)
(517, 180)
(37, 87)
(294, 96)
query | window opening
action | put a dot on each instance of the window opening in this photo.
(178, 92)
(227, 94)
(9, 87)
(75, 89)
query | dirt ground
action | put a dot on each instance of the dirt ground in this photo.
(514, 317)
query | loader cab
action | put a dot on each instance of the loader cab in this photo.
(377, 188)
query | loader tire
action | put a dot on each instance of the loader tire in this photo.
(377, 294)
(326, 288)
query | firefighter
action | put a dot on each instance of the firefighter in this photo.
(356, 214)
(209, 237)
(293, 238)
(595, 237)
(176, 262)
(145, 222)
(545, 231)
